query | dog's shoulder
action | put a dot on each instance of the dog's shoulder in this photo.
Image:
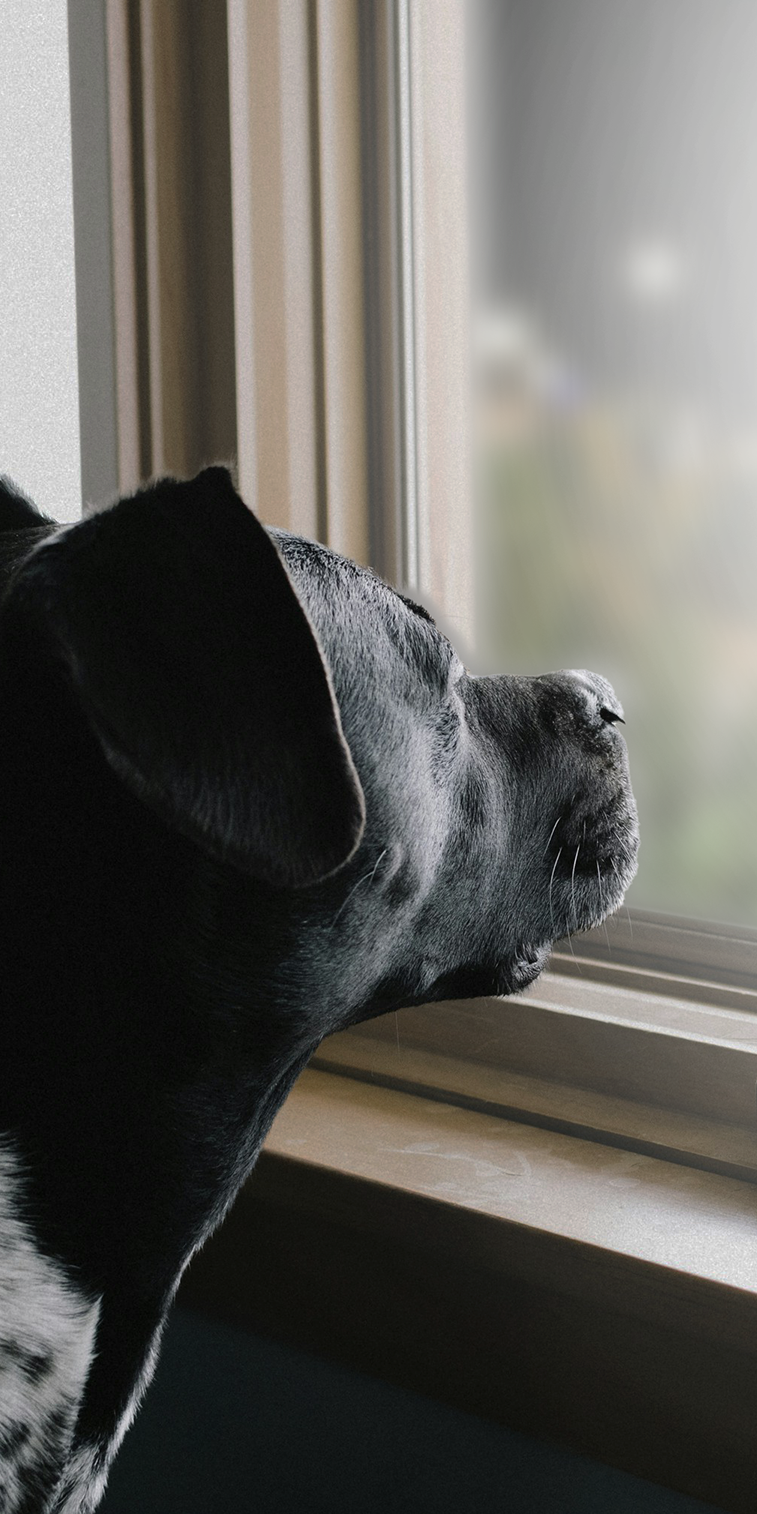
(47, 1337)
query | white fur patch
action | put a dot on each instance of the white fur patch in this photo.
(47, 1337)
(87, 1470)
(82, 1486)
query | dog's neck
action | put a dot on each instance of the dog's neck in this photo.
(141, 1115)
(154, 1058)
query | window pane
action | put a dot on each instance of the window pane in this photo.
(39, 405)
(614, 231)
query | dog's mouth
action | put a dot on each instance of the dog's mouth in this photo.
(523, 967)
(592, 859)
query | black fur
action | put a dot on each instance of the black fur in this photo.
(248, 796)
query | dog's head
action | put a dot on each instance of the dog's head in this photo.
(431, 832)
(499, 811)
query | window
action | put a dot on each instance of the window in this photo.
(321, 332)
(290, 250)
(614, 244)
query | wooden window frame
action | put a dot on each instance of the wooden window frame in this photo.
(309, 336)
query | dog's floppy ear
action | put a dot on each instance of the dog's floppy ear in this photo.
(16, 509)
(201, 675)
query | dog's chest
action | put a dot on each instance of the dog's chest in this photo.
(47, 1335)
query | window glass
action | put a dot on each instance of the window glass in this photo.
(614, 256)
(39, 406)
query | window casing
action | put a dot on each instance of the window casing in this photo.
(316, 329)
(281, 167)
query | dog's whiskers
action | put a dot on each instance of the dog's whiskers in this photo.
(573, 902)
(627, 910)
(551, 881)
(551, 834)
(367, 877)
(602, 907)
(573, 888)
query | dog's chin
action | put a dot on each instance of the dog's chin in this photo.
(510, 975)
(518, 971)
(470, 980)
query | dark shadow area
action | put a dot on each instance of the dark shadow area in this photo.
(234, 1423)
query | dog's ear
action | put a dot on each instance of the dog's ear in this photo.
(16, 509)
(202, 677)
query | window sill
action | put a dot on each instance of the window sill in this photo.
(671, 1229)
(646, 1073)
(604, 1297)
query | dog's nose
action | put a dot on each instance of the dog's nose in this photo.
(600, 696)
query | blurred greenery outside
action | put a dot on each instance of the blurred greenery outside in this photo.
(623, 538)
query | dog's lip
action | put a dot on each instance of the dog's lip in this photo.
(528, 961)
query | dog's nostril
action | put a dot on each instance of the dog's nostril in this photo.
(600, 696)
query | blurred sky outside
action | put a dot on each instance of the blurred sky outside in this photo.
(613, 180)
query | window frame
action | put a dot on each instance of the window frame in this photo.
(385, 378)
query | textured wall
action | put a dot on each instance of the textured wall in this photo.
(39, 404)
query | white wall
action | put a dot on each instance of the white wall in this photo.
(39, 402)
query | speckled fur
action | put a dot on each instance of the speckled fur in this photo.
(47, 1334)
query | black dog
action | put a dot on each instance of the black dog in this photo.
(248, 796)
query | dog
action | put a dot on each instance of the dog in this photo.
(248, 796)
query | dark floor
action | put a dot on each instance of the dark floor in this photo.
(234, 1424)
